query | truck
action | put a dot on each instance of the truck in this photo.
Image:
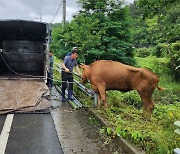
(24, 46)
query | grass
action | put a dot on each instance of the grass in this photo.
(168, 82)
(154, 136)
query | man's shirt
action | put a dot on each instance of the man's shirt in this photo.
(70, 63)
(50, 62)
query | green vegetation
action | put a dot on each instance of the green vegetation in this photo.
(154, 136)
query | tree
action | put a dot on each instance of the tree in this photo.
(154, 7)
(154, 22)
(81, 31)
(100, 30)
(157, 24)
(115, 37)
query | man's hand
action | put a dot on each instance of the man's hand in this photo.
(67, 70)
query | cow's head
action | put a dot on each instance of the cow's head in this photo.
(84, 73)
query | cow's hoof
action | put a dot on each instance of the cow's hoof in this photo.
(105, 108)
(147, 116)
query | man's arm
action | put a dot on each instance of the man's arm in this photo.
(78, 70)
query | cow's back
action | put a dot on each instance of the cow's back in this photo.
(114, 74)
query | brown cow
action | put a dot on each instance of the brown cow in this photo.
(110, 75)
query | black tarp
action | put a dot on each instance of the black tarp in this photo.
(23, 30)
(23, 47)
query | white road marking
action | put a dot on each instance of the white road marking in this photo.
(5, 133)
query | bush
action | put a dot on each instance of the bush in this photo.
(129, 98)
(166, 97)
(162, 49)
(142, 52)
(156, 65)
(132, 98)
(175, 60)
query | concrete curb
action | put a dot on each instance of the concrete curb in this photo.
(126, 146)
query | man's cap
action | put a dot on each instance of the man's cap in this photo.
(75, 48)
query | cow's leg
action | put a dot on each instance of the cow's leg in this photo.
(99, 102)
(102, 92)
(96, 90)
(148, 103)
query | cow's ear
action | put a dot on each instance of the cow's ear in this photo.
(82, 66)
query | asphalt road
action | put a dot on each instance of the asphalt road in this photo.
(2, 120)
(32, 134)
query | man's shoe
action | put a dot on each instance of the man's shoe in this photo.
(63, 100)
(70, 93)
(63, 95)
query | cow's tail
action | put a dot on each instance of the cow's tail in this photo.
(160, 89)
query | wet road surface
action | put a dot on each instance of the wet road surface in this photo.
(64, 130)
(2, 120)
(33, 134)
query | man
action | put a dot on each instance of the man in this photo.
(67, 74)
(50, 69)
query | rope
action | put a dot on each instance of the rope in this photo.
(15, 71)
(59, 80)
